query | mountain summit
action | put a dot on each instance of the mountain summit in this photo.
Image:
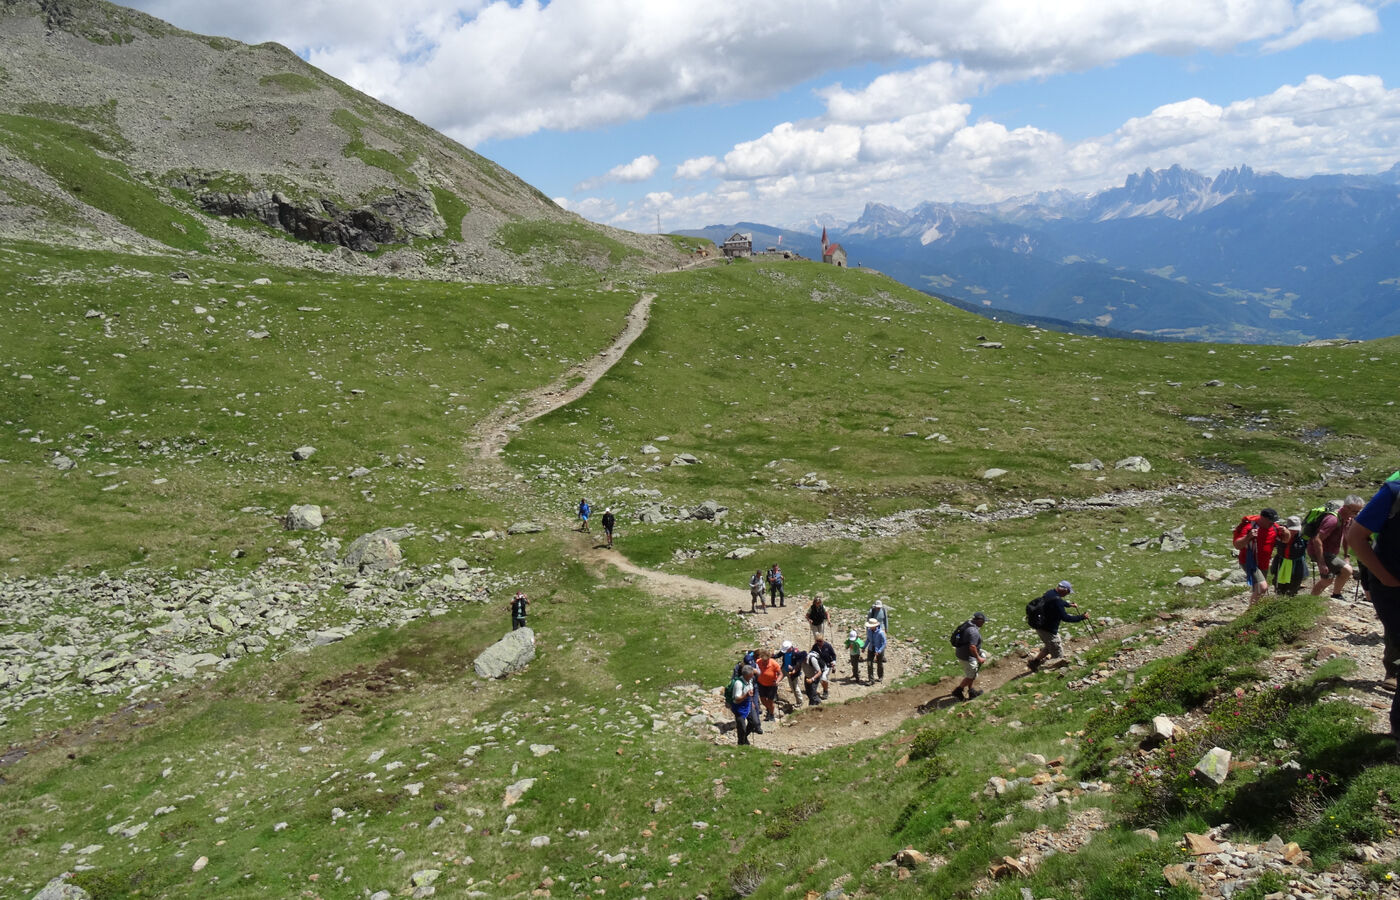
(118, 129)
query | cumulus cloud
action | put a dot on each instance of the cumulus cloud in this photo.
(639, 169)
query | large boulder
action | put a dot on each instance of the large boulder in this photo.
(374, 552)
(304, 517)
(507, 656)
(60, 889)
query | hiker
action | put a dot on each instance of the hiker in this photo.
(787, 655)
(769, 672)
(855, 645)
(817, 617)
(812, 672)
(1380, 572)
(776, 597)
(875, 641)
(518, 606)
(968, 641)
(826, 655)
(756, 591)
(740, 700)
(1045, 614)
(584, 511)
(1290, 564)
(1255, 537)
(878, 611)
(1325, 544)
(609, 523)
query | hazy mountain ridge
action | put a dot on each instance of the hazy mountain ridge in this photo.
(1243, 255)
(114, 125)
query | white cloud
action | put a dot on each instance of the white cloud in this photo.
(699, 167)
(479, 70)
(639, 169)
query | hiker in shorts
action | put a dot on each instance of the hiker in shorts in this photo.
(584, 511)
(1326, 545)
(875, 643)
(1290, 564)
(609, 523)
(1055, 611)
(855, 646)
(769, 673)
(1380, 572)
(756, 591)
(969, 653)
(1255, 537)
(826, 655)
(817, 617)
(776, 597)
(812, 672)
(518, 605)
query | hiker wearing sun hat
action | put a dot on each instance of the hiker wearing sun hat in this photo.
(875, 641)
(878, 611)
(609, 523)
(1044, 614)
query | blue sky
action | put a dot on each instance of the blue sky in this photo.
(801, 114)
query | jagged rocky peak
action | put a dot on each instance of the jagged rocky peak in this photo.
(1155, 184)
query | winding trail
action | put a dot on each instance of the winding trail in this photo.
(857, 709)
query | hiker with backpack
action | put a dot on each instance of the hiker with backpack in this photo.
(756, 592)
(875, 644)
(855, 646)
(878, 611)
(769, 672)
(609, 523)
(776, 597)
(812, 672)
(1044, 614)
(817, 617)
(967, 639)
(1325, 543)
(787, 655)
(1290, 564)
(826, 656)
(518, 605)
(1255, 538)
(1380, 572)
(739, 697)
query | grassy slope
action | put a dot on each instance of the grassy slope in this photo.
(241, 754)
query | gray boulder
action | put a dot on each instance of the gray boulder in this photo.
(374, 552)
(60, 889)
(1175, 540)
(708, 510)
(1134, 464)
(684, 459)
(1093, 465)
(63, 463)
(507, 656)
(302, 453)
(304, 517)
(525, 528)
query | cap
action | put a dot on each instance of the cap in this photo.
(1268, 513)
(979, 615)
(787, 645)
(1065, 586)
(872, 623)
(852, 635)
(879, 604)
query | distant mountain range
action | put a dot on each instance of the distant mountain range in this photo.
(1244, 256)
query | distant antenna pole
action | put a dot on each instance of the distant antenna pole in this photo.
(658, 223)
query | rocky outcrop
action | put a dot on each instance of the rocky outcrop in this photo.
(393, 219)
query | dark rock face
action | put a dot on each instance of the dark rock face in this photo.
(393, 219)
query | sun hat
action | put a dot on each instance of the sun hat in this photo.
(852, 635)
(879, 604)
(1065, 586)
(872, 623)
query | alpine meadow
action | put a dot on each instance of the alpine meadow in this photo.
(299, 393)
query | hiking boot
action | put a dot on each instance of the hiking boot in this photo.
(1034, 665)
(769, 718)
(1336, 596)
(826, 695)
(958, 694)
(973, 693)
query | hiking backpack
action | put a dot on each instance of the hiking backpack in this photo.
(959, 636)
(733, 690)
(1312, 521)
(1035, 612)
